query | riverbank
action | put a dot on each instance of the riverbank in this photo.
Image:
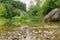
(27, 33)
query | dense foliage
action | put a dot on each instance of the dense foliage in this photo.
(14, 12)
(19, 5)
(43, 8)
(9, 9)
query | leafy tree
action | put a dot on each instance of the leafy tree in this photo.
(47, 6)
(9, 9)
(16, 4)
(57, 2)
(2, 9)
(33, 10)
(37, 12)
(19, 5)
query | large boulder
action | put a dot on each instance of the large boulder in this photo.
(52, 16)
(56, 17)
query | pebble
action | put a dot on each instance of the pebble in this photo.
(19, 34)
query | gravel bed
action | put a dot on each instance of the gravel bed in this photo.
(23, 33)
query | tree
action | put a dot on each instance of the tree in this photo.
(2, 9)
(19, 5)
(16, 4)
(9, 9)
(45, 7)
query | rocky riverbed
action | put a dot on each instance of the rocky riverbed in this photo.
(25, 33)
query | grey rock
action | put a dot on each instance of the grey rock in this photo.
(52, 16)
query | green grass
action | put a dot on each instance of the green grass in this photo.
(9, 27)
(34, 24)
(5, 27)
